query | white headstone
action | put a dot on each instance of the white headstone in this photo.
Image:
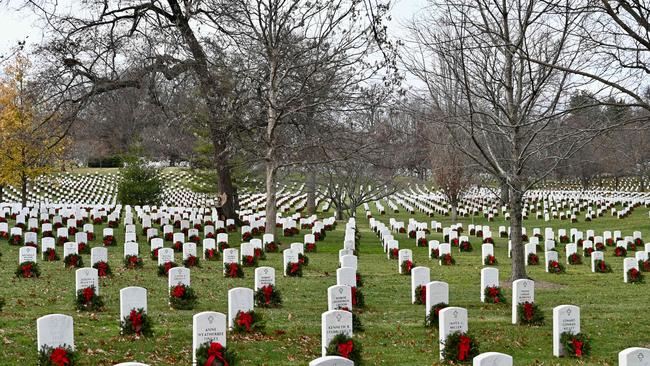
(523, 290)
(634, 356)
(492, 359)
(208, 326)
(132, 298)
(566, 318)
(333, 323)
(239, 299)
(264, 276)
(420, 276)
(451, 320)
(86, 277)
(54, 330)
(338, 297)
(489, 278)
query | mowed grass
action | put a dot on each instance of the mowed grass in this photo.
(614, 314)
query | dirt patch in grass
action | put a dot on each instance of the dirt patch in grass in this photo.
(539, 285)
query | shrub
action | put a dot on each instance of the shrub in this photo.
(139, 185)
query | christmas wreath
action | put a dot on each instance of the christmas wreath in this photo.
(490, 260)
(109, 241)
(575, 259)
(393, 253)
(50, 255)
(169, 236)
(460, 347)
(530, 314)
(610, 242)
(133, 262)
(249, 261)
(303, 259)
(248, 322)
(259, 254)
(620, 252)
(489, 240)
(73, 261)
(600, 247)
(211, 254)
(434, 254)
(154, 253)
(182, 297)
(447, 260)
(191, 261)
(420, 295)
(233, 270)
(214, 354)
(555, 267)
(28, 270)
(422, 242)
(575, 345)
(247, 236)
(533, 259)
(601, 267)
(222, 246)
(644, 265)
(113, 224)
(271, 247)
(310, 248)
(83, 248)
(358, 299)
(406, 267)
(177, 246)
(103, 269)
(466, 246)
(346, 347)
(195, 239)
(88, 300)
(57, 356)
(136, 323)
(634, 276)
(268, 296)
(588, 251)
(494, 295)
(163, 269)
(294, 269)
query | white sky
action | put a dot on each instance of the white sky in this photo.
(17, 25)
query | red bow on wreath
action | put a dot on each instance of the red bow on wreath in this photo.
(423, 293)
(101, 269)
(27, 270)
(463, 348)
(215, 352)
(408, 265)
(528, 311)
(59, 357)
(345, 349)
(136, 321)
(73, 261)
(245, 320)
(268, 291)
(88, 293)
(294, 267)
(178, 291)
(602, 266)
(133, 259)
(577, 345)
(232, 270)
(354, 296)
(494, 293)
(51, 254)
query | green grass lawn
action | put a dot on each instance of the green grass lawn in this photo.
(613, 313)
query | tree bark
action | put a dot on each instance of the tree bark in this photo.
(271, 210)
(311, 192)
(339, 213)
(518, 253)
(505, 192)
(23, 190)
(454, 211)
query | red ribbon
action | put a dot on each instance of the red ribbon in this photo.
(178, 291)
(167, 266)
(268, 291)
(494, 294)
(577, 345)
(210, 253)
(101, 268)
(133, 260)
(136, 321)
(423, 293)
(232, 269)
(258, 252)
(602, 266)
(463, 348)
(394, 252)
(51, 254)
(27, 270)
(528, 311)
(245, 320)
(295, 267)
(409, 265)
(345, 349)
(354, 296)
(249, 259)
(88, 294)
(59, 357)
(215, 352)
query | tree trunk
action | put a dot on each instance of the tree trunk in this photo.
(23, 190)
(518, 253)
(311, 192)
(271, 210)
(339, 213)
(454, 212)
(231, 206)
(505, 192)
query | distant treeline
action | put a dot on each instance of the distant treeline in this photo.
(114, 161)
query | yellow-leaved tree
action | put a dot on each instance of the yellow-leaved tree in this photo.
(30, 145)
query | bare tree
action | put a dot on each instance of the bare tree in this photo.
(452, 175)
(504, 111)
